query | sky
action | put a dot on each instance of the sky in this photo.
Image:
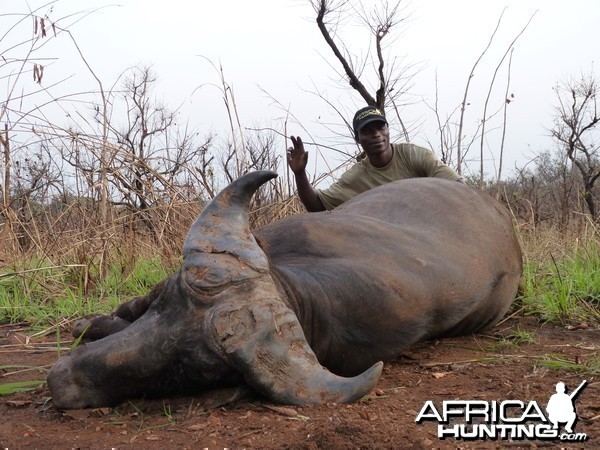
(275, 60)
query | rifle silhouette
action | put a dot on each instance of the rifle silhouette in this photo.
(576, 391)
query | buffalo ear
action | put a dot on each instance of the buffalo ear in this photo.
(265, 343)
(133, 309)
(97, 326)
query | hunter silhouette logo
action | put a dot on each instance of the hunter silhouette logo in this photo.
(560, 407)
(508, 419)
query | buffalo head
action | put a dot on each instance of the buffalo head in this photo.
(220, 320)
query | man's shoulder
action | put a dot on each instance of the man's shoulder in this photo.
(411, 154)
(409, 147)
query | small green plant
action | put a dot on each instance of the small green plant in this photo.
(515, 338)
(140, 414)
(20, 386)
(167, 412)
(565, 290)
(590, 366)
(519, 337)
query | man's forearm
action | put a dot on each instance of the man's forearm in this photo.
(308, 195)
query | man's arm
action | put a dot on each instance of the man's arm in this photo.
(297, 159)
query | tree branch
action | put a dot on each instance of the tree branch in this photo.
(322, 7)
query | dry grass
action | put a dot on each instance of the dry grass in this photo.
(59, 250)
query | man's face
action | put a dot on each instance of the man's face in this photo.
(374, 138)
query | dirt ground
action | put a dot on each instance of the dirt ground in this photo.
(487, 367)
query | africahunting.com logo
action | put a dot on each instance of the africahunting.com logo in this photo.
(508, 419)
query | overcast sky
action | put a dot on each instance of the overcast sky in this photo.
(274, 57)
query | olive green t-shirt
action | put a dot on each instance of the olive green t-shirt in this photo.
(408, 161)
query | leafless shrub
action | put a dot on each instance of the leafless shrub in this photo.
(122, 181)
(379, 78)
(577, 132)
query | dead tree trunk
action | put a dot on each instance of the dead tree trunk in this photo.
(6, 233)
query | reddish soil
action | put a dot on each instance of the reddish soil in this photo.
(482, 367)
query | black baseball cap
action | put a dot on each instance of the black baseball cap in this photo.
(367, 115)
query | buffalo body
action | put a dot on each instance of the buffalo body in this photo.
(304, 309)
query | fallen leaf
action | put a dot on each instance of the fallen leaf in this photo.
(440, 374)
(282, 410)
(100, 412)
(580, 326)
(77, 414)
(18, 403)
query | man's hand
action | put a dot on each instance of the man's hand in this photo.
(297, 157)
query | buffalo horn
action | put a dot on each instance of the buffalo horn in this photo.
(219, 248)
(264, 341)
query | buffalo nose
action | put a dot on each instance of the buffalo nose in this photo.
(64, 391)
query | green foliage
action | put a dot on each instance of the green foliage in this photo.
(565, 290)
(515, 338)
(47, 295)
(590, 366)
(19, 386)
(518, 337)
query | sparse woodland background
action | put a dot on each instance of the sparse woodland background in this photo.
(120, 179)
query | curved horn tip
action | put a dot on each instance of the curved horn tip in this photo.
(257, 178)
(369, 379)
(232, 200)
(246, 185)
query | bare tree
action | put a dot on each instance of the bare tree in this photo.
(151, 162)
(19, 58)
(543, 193)
(459, 137)
(155, 160)
(463, 106)
(235, 159)
(509, 51)
(392, 81)
(6, 210)
(146, 121)
(577, 132)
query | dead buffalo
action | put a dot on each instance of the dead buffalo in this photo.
(304, 309)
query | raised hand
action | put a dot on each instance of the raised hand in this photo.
(297, 157)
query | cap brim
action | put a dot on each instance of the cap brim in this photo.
(370, 120)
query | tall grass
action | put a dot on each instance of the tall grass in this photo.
(562, 276)
(54, 295)
(66, 276)
(561, 280)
